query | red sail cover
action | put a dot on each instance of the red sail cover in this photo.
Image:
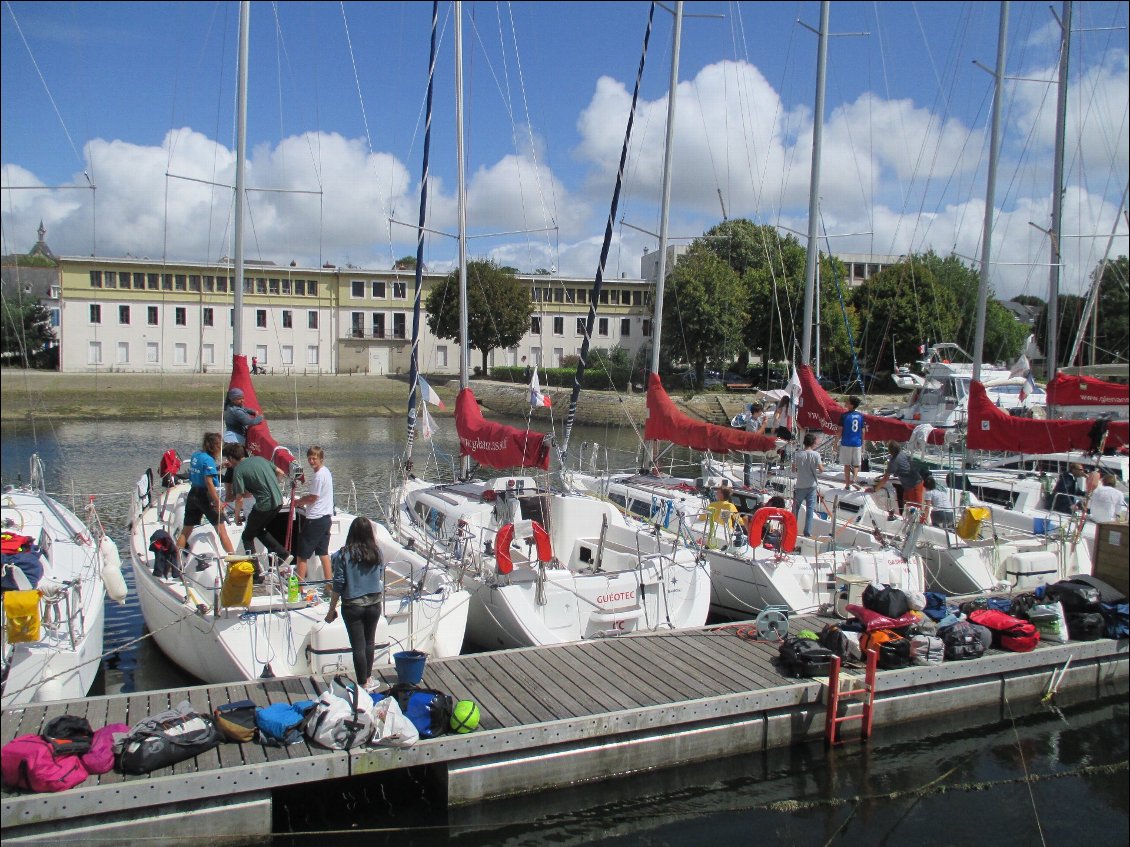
(1067, 390)
(666, 423)
(260, 442)
(819, 411)
(991, 428)
(496, 445)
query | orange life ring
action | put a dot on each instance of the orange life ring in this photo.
(766, 514)
(523, 529)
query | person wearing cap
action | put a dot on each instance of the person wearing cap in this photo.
(238, 418)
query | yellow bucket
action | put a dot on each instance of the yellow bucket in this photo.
(21, 608)
(969, 527)
(238, 585)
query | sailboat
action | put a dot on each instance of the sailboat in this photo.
(197, 612)
(543, 566)
(57, 573)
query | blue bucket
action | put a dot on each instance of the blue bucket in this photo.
(410, 666)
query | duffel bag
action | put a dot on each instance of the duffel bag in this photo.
(167, 738)
(803, 657)
(342, 716)
(68, 735)
(236, 720)
(429, 710)
(100, 757)
(28, 762)
(893, 649)
(1086, 626)
(886, 601)
(280, 724)
(1022, 603)
(1117, 617)
(1009, 633)
(1075, 596)
(833, 638)
(927, 650)
(962, 641)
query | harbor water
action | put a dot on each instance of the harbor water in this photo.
(1051, 775)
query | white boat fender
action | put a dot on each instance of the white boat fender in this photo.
(112, 578)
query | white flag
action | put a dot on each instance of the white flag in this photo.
(537, 398)
(427, 426)
(429, 393)
(1021, 367)
(793, 389)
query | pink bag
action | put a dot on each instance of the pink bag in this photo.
(27, 762)
(100, 758)
(873, 620)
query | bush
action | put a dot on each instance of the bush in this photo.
(595, 377)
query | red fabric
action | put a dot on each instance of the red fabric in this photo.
(11, 543)
(872, 620)
(991, 428)
(819, 411)
(496, 445)
(1009, 633)
(260, 442)
(666, 423)
(1067, 390)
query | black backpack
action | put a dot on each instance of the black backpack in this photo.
(428, 709)
(833, 638)
(962, 641)
(886, 601)
(803, 657)
(68, 735)
(1075, 596)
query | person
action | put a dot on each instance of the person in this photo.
(1094, 480)
(771, 531)
(901, 467)
(204, 500)
(358, 584)
(1107, 503)
(754, 422)
(319, 504)
(255, 369)
(851, 441)
(782, 423)
(938, 508)
(256, 476)
(238, 418)
(806, 465)
(1069, 488)
(722, 511)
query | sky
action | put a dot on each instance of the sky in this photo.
(138, 99)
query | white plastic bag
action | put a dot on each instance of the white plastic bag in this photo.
(342, 717)
(393, 729)
(1050, 622)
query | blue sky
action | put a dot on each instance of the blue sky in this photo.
(132, 92)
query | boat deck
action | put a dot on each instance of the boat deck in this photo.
(594, 709)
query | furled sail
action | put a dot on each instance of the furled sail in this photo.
(666, 423)
(991, 428)
(1066, 390)
(260, 442)
(493, 444)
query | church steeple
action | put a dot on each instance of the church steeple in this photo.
(41, 248)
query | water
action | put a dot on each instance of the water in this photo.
(1045, 777)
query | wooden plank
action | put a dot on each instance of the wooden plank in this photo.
(606, 682)
(577, 679)
(487, 670)
(492, 713)
(620, 673)
(539, 685)
(668, 683)
(736, 667)
(690, 676)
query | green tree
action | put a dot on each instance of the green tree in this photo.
(26, 334)
(498, 308)
(1112, 343)
(1068, 316)
(703, 317)
(405, 263)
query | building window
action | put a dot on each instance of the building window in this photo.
(261, 318)
(55, 317)
(152, 353)
(300, 287)
(209, 284)
(559, 326)
(637, 298)
(398, 325)
(357, 287)
(441, 356)
(94, 353)
(261, 353)
(286, 286)
(378, 290)
(399, 290)
(207, 317)
(357, 324)
(181, 282)
(152, 281)
(208, 354)
(273, 285)
(180, 316)
(123, 352)
(180, 354)
(378, 325)
(625, 298)
(287, 355)
(582, 323)
(582, 295)
(312, 289)
(287, 320)
(559, 295)
(311, 320)
(95, 281)
(647, 327)
(123, 315)
(625, 327)
(221, 284)
(558, 355)
(602, 327)
(604, 297)
(535, 357)
(110, 279)
(312, 354)
(194, 282)
(139, 282)
(151, 315)
(260, 285)
(535, 325)
(95, 313)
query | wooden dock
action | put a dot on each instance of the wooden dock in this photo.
(551, 716)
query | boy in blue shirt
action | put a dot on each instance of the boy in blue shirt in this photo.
(204, 500)
(851, 442)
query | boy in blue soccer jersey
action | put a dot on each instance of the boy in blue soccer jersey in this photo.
(851, 442)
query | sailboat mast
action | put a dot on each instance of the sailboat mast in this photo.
(240, 168)
(1057, 194)
(665, 196)
(990, 198)
(1091, 308)
(464, 347)
(414, 364)
(813, 255)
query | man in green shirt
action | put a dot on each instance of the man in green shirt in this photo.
(256, 476)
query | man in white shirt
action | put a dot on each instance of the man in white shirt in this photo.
(319, 504)
(1107, 502)
(807, 465)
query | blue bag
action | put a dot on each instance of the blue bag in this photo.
(280, 724)
(1117, 617)
(428, 709)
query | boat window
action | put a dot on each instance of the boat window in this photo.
(618, 499)
(641, 508)
(996, 496)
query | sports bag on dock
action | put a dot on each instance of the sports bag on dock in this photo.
(167, 738)
(429, 710)
(803, 657)
(342, 716)
(1009, 633)
(962, 641)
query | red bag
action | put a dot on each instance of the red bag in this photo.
(169, 467)
(12, 543)
(873, 620)
(27, 762)
(100, 757)
(1009, 633)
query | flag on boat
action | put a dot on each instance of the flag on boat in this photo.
(537, 398)
(1028, 387)
(429, 393)
(793, 388)
(427, 426)
(921, 349)
(1021, 367)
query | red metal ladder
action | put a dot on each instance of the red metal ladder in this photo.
(836, 695)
